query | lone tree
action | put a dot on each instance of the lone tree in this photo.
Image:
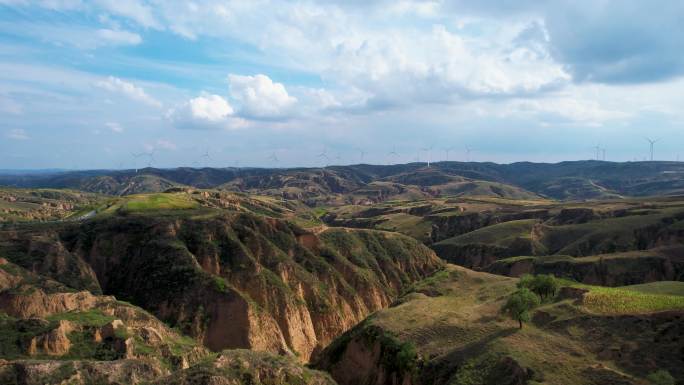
(519, 305)
(544, 285)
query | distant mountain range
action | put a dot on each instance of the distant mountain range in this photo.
(577, 180)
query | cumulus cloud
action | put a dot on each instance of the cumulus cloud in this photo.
(259, 96)
(207, 111)
(17, 134)
(212, 108)
(130, 90)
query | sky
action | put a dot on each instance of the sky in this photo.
(130, 83)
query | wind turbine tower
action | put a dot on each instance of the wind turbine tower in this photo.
(150, 158)
(448, 150)
(468, 151)
(651, 143)
(324, 156)
(206, 157)
(135, 160)
(429, 153)
(393, 153)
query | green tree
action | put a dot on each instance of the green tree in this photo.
(526, 281)
(544, 285)
(519, 304)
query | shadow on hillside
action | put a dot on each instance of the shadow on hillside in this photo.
(441, 369)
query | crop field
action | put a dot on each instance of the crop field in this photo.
(611, 301)
(663, 287)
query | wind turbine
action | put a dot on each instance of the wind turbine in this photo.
(150, 158)
(273, 158)
(338, 159)
(468, 151)
(652, 142)
(448, 150)
(363, 154)
(324, 156)
(604, 154)
(393, 153)
(598, 149)
(135, 160)
(429, 152)
(205, 156)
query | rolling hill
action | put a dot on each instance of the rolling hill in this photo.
(577, 180)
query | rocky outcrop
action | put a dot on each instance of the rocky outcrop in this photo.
(53, 343)
(36, 303)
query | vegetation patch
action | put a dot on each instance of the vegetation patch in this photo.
(148, 202)
(94, 317)
(606, 300)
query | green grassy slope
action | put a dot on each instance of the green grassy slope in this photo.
(448, 330)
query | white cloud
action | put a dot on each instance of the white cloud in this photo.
(119, 37)
(17, 134)
(82, 37)
(575, 110)
(212, 108)
(114, 127)
(132, 9)
(114, 84)
(50, 4)
(207, 111)
(259, 96)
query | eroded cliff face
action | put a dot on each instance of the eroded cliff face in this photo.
(241, 280)
(620, 269)
(50, 333)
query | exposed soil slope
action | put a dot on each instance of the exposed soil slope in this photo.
(232, 280)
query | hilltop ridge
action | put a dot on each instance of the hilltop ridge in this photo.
(576, 180)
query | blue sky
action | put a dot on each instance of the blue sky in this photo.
(87, 84)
